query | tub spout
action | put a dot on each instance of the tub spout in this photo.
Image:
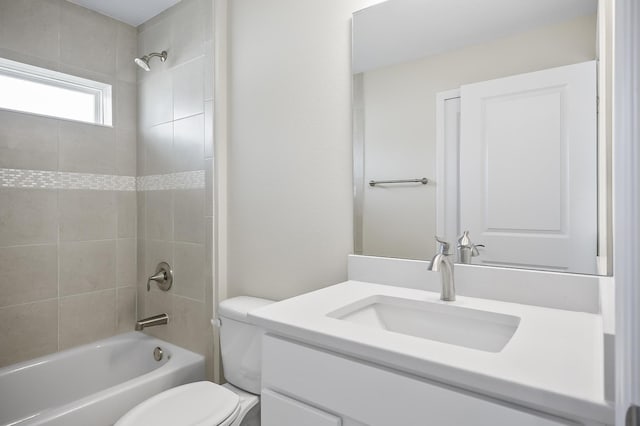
(151, 321)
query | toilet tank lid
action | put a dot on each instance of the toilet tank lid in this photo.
(237, 307)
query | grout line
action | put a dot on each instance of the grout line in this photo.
(115, 278)
(58, 258)
(190, 299)
(103, 290)
(48, 299)
(43, 244)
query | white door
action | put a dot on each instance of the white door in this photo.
(528, 174)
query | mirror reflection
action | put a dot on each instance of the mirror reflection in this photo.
(468, 119)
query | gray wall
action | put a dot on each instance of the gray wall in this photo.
(175, 164)
(67, 256)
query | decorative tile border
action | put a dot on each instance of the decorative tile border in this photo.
(42, 179)
(180, 180)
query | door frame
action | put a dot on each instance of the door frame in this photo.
(446, 168)
(626, 203)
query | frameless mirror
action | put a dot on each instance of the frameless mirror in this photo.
(487, 116)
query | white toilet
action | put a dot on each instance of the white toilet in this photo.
(208, 404)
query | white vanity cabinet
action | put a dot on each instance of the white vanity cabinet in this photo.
(305, 386)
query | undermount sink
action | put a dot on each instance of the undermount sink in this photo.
(446, 323)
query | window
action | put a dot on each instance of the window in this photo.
(35, 90)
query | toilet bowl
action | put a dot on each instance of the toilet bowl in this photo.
(205, 403)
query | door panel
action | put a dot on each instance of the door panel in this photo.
(528, 176)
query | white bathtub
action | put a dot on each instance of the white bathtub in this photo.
(94, 384)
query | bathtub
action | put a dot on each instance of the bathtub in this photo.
(94, 384)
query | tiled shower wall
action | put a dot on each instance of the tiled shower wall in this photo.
(67, 189)
(175, 163)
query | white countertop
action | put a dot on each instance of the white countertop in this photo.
(553, 362)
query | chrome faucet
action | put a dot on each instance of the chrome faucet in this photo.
(151, 321)
(442, 263)
(466, 249)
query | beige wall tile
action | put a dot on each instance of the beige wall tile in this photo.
(87, 266)
(28, 141)
(208, 187)
(208, 258)
(126, 110)
(187, 31)
(155, 104)
(188, 89)
(28, 331)
(156, 37)
(188, 216)
(59, 35)
(188, 144)
(140, 152)
(126, 262)
(125, 119)
(184, 241)
(87, 148)
(87, 215)
(159, 215)
(209, 71)
(87, 39)
(208, 129)
(142, 275)
(207, 13)
(127, 209)
(28, 216)
(159, 302)
(156, 252)
(188, 270)
(29, 273)
(126, 152)
(141, 215)
(87, 317)
(158, 145)
(40, 17)
(190, 327)
(126, 51)
(126, 309)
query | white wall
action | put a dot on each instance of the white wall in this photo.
(290, 184)
(399, 114)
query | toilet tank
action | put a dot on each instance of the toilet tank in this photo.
(241, 342)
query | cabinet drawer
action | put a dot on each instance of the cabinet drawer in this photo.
(278, 410)
(377, 396)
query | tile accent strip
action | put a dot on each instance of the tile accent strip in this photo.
(180, 180)
(42, 179)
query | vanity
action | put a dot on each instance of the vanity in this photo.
(387, 351)
(484, 123)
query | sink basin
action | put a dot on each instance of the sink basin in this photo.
(446, 323)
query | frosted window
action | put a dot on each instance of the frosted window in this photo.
(40, 91)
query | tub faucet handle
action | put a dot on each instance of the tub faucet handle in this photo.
(163, 276)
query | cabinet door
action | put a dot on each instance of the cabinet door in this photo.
(528, 172)
(278, 410)
(373, 396)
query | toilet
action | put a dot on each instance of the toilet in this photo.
(235, 403)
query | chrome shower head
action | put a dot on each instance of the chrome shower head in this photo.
(143, 62)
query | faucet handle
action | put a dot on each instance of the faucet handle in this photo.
(444, 246)
(163, 276)
(475, 251)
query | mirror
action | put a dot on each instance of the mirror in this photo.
(486, 112)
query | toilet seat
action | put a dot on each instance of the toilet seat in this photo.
(193, 404)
